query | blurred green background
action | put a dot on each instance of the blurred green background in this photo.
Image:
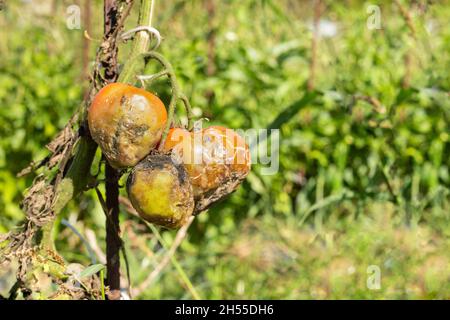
(357, 187)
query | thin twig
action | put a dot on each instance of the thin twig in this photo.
(314, 44)
(378, 106)
(91, 237)
(407, 17)
(385, 174)
(123, 17)
(176, 94)
(83, 239)
(181, 234)
(408, 55)
(33, 166)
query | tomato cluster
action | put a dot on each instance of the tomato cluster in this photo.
(193, 170)
(216, 160)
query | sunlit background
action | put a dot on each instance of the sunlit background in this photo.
(362, 191)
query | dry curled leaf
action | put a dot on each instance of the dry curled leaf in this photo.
(38, 202)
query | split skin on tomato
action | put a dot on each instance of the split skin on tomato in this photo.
(126, 122)
(217, 159)
(160, 191)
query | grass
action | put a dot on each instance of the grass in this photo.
(282, 257)
(272, 258)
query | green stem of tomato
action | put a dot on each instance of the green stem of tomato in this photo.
(177, 94)
(140, 44)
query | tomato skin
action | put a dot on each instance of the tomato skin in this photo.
(126, 122)
(160, 191)
(212, 156)
(175, 137)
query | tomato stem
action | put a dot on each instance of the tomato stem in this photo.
(177, 94)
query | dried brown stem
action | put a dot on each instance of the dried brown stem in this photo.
(378, 106)
(113, 242)
(406, 81)
(408, 55)
(314, 44)
(407, 17)
(110, 12)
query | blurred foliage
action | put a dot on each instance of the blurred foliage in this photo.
(355, 186)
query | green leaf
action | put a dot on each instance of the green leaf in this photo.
(256, 184)
(288, 113)
(93, 269)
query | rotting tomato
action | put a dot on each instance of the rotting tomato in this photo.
(160, 191)
(126, 122)
(217, 159)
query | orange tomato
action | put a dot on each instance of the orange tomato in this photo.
(211, 156)
(126, 122)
